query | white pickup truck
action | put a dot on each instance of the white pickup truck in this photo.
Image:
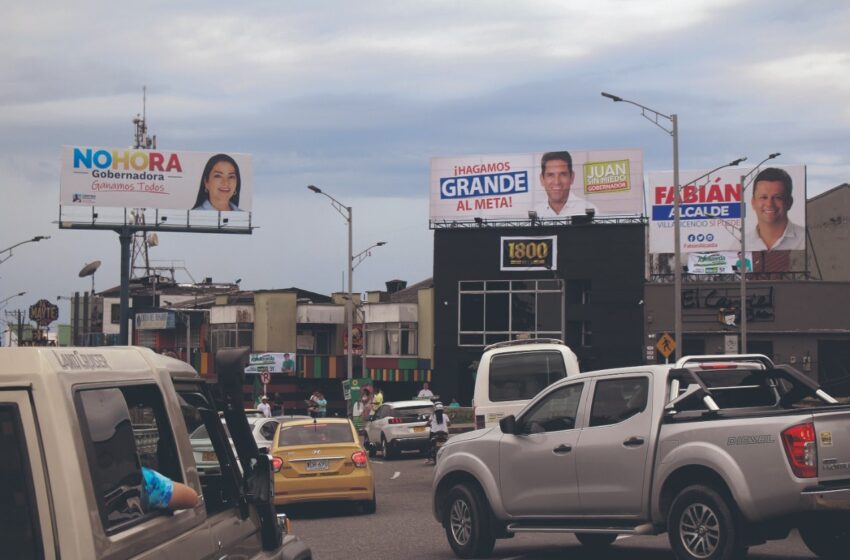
(720, 452)
(78, 424)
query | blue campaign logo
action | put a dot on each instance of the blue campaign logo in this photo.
(493, 184)
(720, 211)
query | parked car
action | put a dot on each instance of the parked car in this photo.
(397, 426)
(321, 459)
(511, 373)
(720, 452)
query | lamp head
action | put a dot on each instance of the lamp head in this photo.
(611, 97)
(771, 156)
(40, 237)
(737, 161)
(314, 188)
(381, 243)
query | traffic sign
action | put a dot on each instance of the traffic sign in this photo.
(666, 345)
(266, 377)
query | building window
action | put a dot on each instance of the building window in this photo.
(315, 340)
(391, 339)
(231, 335)
(497, 310)
(578, 292)
(580, 334)
(115, 312)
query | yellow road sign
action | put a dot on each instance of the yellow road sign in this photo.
(666, 345)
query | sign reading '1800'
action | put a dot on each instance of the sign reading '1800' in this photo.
(529, 253)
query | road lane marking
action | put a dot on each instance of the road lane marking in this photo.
(395, 475)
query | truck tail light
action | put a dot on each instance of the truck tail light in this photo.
(277, 463)
(801, 449)
(396, 421)
(359, 458)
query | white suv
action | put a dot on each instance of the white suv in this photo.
(397, 426)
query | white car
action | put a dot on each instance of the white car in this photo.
(262, 429)
(398, 426)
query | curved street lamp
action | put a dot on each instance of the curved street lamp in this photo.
(345, 212)
(654, 116)
(35, 239)
(3, 301)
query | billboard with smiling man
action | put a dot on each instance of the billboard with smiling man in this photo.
(555, 184)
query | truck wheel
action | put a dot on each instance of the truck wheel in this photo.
(828, 536)
(595, 541)
(701, 526)
(467, 522)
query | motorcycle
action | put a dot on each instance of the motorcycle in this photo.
(437, 441)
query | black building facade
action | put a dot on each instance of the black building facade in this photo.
(587, 290)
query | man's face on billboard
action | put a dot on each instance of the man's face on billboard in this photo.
(770, 202)
(557, 180)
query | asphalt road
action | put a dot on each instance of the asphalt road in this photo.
(403, 528)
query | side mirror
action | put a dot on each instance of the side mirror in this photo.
(508, 424)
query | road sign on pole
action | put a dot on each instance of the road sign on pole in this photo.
(666, 345)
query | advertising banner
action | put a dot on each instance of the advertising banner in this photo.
(529, 253)
(131, 178)
(723, 262)
(710, 214)
(155, 321)
(271, 362)
(553, 184)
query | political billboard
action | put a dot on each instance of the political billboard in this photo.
(553, 184)
(710, 213)
(163, 179)
(721, 262)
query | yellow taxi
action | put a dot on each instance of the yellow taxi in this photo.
(321, 460)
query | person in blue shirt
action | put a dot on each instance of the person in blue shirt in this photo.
(160, 492)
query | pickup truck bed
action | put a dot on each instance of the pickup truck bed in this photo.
(719, 452)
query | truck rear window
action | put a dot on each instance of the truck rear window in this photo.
(521, 375)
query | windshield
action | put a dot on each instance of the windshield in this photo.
(311, 434)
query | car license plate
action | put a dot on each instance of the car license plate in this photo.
(208, 456)
(317, 465)
(419, 429)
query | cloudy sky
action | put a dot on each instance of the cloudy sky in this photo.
(356, 97)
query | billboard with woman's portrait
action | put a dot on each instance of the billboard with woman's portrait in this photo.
(163, 179)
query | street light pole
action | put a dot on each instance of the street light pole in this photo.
(3, 301)
(653, 116)
(743, 259)
(35, 239)
(346, 213)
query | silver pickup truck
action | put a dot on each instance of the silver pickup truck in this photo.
(720, 452)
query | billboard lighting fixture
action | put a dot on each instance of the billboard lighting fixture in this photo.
(479, 221)
(532, 215)
(164, 218)
(225, 220)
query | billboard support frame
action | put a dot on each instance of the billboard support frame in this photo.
(125, 233)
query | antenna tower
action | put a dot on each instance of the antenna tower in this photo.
(139, 260)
